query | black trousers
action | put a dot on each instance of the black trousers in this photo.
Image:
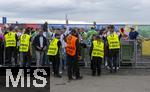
(55, 64)
(113, 62)
(1, 56)
(73, 67)
(26, 58)
(9, 53)
(96, 65)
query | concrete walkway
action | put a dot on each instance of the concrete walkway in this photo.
(127, 80)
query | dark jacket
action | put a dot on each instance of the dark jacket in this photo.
(133, 35)
(1, 46)
(36, 42)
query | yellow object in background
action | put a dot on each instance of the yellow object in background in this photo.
(146, 48)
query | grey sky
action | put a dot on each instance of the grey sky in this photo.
(101, 11)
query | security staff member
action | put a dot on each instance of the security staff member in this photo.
(10, 47)
(72, 51)
(54, 54)
(24, 48)
(97, 54)
(113, 46)
(1, 50)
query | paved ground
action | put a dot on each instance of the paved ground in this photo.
(126, 80)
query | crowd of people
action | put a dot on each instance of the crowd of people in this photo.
(62, 47)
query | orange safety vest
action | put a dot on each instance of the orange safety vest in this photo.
(71, 45)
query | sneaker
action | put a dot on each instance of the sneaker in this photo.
(60, 72)
(113, 67)
(117, 68)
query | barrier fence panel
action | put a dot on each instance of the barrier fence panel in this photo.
(128, 54)
(146, 48)
(131, 55)
(144, 58)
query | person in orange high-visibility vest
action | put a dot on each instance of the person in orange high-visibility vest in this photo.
(72, 51)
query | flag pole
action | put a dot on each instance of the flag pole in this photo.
(67, 21)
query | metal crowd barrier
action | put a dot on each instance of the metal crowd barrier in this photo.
(127, 55)
(128, 52)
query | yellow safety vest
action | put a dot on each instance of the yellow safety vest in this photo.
(24, 43)
(10, 39)
(113, 41)
(98, 49)
(53, 48)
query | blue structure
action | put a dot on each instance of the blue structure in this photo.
(85, 26)
(4, 20)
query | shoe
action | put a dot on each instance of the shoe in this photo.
(16, 65)
(79, 78)
(58, 76)
(69, 79)
(60, 72)
(110, 70)
(115, 70)
(99, 74)
(93, 74)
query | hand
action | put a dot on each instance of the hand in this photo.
(39, 47)
(79, 57)
(44, 48)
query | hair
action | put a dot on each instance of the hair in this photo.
(101, 31)
(92, 28)
(98, 37)
(27, 31)
(11, 28)
(73, 31)
(111, 26)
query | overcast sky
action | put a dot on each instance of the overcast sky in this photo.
(82, 11)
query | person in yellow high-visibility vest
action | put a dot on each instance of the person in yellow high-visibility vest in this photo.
(54, 54)
(97, 54)
(10, 47)
(113, 42)
(24, 48)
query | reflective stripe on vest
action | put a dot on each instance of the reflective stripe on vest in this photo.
(71, 45)
(113, 41)
(10, 39)
(24, 43)
(98, 49)
(53, 48)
